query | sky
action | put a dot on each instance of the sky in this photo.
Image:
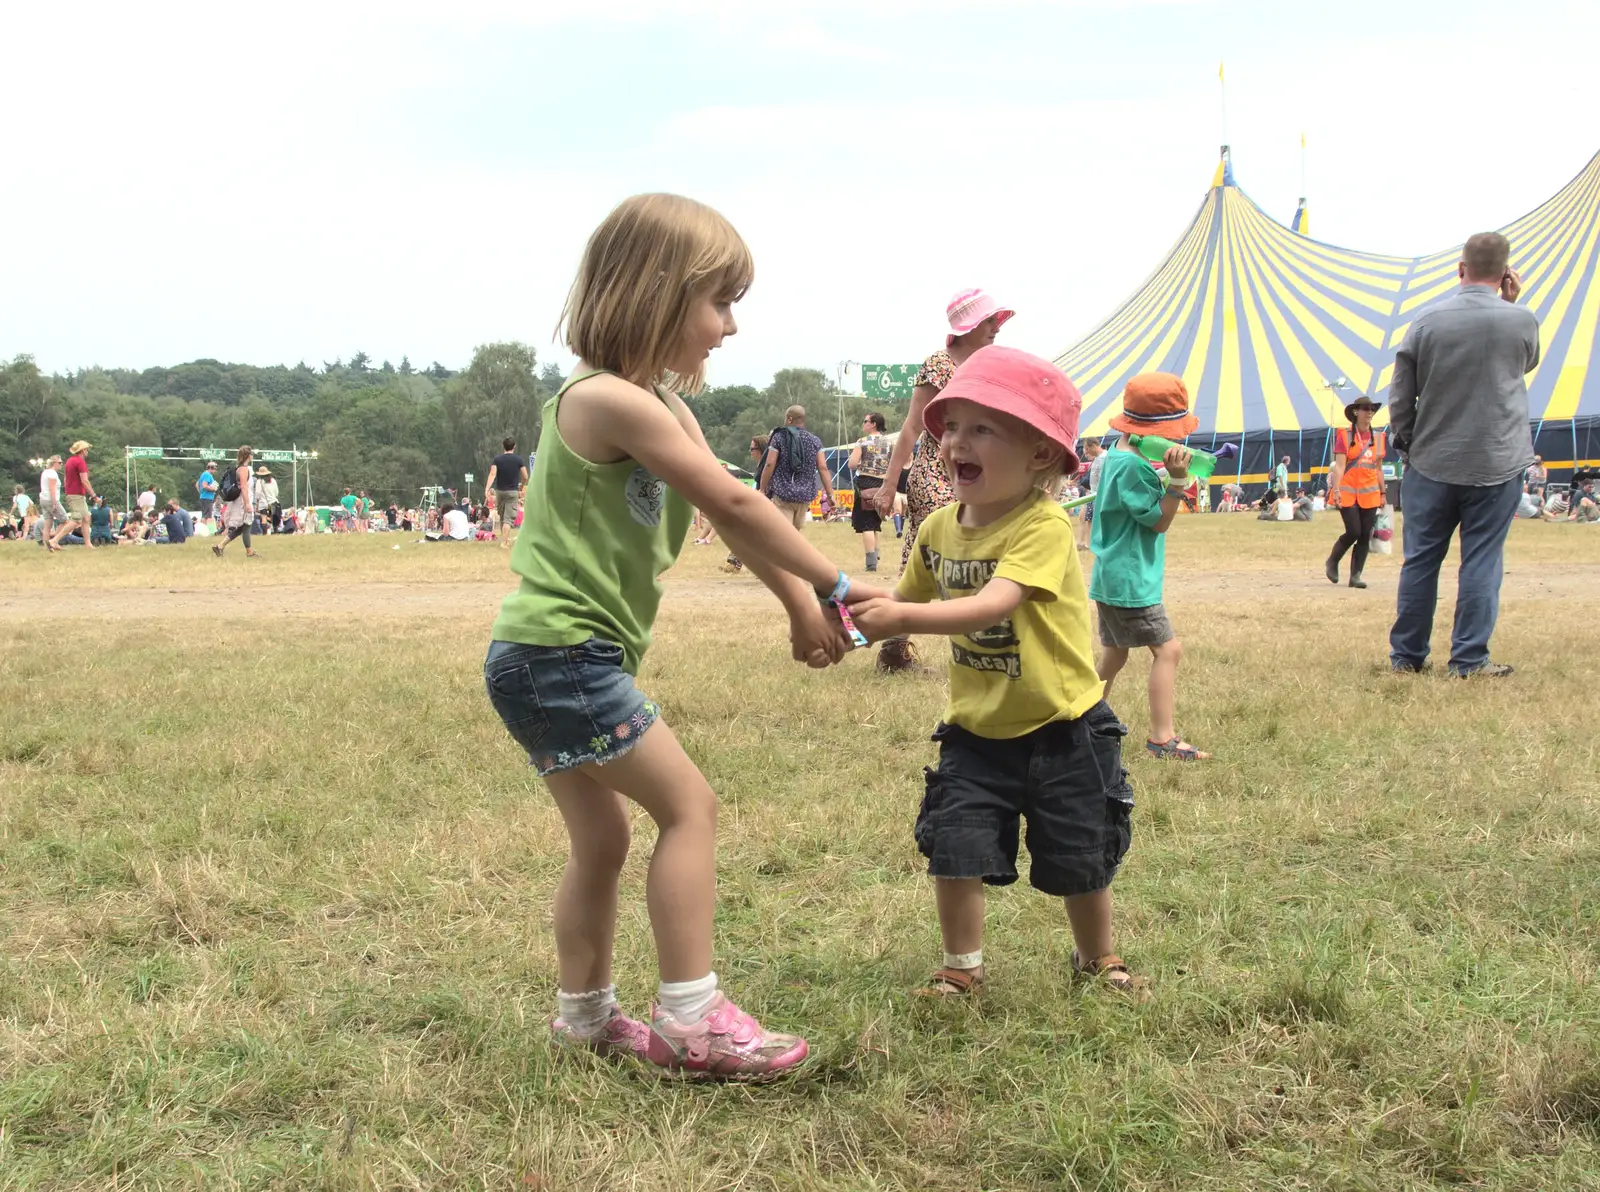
(271, 184)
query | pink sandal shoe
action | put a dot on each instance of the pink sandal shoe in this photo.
(727, 1044)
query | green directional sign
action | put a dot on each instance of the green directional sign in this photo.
(891, 382)
(276, 457)
(144, 453)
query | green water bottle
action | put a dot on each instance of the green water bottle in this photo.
(1154, 448)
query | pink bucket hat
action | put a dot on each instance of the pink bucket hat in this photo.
(1019, 384)
(969, 308)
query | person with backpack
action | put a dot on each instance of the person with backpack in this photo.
(790, 468)
(238, 512)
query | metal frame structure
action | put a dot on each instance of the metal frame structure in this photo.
(294, 457)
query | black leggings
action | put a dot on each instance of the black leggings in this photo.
(236, 532)
(1358, 533)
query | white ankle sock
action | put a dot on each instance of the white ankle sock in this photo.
(964, 960)
(586, 1013)
(687, 1001)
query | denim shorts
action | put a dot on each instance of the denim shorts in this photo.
(1065, 781)
(567, 706)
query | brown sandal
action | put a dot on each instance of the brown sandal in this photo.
(1113, 969)
(898, 655)
(949, 982)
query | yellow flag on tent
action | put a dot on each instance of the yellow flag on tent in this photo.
(1220, 79)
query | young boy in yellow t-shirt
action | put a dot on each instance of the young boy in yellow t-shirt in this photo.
(1026, 735)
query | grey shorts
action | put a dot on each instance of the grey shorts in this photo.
(1130, 628)
(506, 502)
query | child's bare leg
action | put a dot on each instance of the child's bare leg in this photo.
(960, 903)
(1112, 660)
(585, 908)
(1164, 689)
(681, 890)
(1090, 916)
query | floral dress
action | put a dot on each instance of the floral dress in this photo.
(927, 486)
(232, 513)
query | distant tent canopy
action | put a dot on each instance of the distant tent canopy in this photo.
(1274, 333)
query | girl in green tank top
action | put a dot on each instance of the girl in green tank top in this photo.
(621, 464)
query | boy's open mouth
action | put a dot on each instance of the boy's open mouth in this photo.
(968, 473)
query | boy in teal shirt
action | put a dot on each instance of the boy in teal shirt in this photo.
(1134, 506)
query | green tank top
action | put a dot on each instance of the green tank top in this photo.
(595, 539)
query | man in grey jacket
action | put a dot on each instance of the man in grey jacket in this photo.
(1458, 412)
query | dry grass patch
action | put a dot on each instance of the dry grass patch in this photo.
(275, 900)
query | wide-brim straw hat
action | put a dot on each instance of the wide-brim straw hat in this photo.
(1350, 410)
(81, 446)
(1156, 404)
(263, 470)
(969, 308)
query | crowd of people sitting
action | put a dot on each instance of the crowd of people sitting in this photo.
(58, 519)
(1579, 502)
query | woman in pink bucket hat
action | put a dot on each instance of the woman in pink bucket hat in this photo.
(975, 318)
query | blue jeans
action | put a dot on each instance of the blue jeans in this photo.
(1433, 511)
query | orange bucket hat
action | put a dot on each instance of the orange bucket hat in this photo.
(1156, 404)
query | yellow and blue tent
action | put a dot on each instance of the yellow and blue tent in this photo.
(1275, 332)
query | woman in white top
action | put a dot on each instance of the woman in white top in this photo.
(52, 513)
(456, 526)
(266, 498)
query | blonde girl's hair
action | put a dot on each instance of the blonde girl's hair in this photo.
(244, 457)
(643, 269)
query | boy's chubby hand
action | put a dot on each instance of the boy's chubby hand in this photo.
(878, 617)
(1176, 461)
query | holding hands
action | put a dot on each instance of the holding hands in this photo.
(817, 635)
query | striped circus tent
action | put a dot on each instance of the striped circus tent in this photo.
(1274, 332)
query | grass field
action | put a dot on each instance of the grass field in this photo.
(273, 896)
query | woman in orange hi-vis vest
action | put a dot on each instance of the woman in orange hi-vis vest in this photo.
(1355, 487)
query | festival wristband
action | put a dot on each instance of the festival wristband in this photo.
(857, 638)
(841, 589)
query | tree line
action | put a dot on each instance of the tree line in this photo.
(389, 429)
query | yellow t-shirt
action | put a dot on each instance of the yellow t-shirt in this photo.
(1037, 665)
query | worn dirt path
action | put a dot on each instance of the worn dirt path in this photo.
(1546, 582)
